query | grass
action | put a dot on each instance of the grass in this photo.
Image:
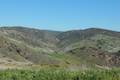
(55, 74)
(65, 59)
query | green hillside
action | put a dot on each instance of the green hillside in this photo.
(76, 48)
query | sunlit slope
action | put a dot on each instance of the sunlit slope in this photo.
(71, 48)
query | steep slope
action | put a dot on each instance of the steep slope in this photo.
(43, 47)
(25, 45)
(34, 37)
(92, 46)
(93, 56)
(99, 41)
(92, 36)
(21, 52)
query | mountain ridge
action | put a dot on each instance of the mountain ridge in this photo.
(60, 48)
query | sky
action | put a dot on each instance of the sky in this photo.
(61, 15)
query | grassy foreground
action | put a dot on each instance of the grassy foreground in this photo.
(53, 74)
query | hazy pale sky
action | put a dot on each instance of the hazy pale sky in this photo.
(61, 14)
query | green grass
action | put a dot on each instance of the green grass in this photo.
(54, 74)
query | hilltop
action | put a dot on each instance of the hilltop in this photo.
(75, 48)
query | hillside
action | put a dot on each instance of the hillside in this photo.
(98, 47)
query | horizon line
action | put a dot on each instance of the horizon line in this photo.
(58, 30)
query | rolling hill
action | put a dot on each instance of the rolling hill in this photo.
(89, 47)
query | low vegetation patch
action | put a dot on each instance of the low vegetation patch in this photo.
(54, 74)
